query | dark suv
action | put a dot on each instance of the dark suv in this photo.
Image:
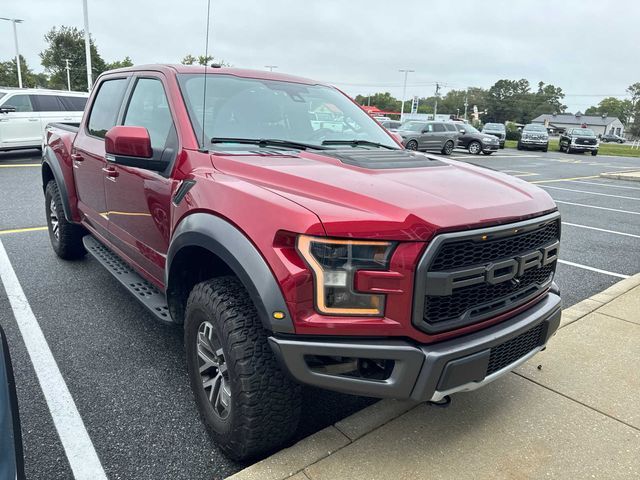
(475, 141)
(434, 136)
(579, 140)
(498, 130)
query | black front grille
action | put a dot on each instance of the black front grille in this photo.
(465, 253)
(481, 298)
(586, 141)
(511, 350)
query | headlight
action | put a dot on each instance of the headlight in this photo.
(334, 264)
(490, 139)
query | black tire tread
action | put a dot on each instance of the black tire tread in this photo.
(266, 403)
(69, 245)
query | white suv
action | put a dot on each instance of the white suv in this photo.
(24, 113)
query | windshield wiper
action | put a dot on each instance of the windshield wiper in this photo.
(267, 142)
(355, 142)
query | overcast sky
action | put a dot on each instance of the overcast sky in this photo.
(587, 47)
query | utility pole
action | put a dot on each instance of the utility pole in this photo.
(68, 75)
(15, 40)
(466, 103)
(435, 108)
(404, 90)
(271, 67)
(87, 45)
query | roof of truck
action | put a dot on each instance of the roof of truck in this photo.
(239, 72)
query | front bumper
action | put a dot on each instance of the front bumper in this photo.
(427, 372)
(490, 147)
(584, 148)
(527, 142)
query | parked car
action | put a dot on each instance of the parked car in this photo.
(474, 140)
(579, 140)
(11, 453)
(24, 113)
(611, 137)
(534, 136)
(391, 125)
(291, 254)
(432, 136)
(498, 130)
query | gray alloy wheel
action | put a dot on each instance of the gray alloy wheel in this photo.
(448, 148)
(213, 370)
(53, 218)
(412, 145)
(475, 148)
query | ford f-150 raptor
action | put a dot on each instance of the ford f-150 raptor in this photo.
(296, 251)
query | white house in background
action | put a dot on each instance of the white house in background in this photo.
(601, 124)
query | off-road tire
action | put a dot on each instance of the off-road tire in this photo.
(67, 243)
(265, 402)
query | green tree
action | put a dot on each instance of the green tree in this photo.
(125, 62)
(548, 99)
(68, 43)
(9, 75)
(506, 100)
(203, 60)
(612, 107)
(383, 100)
(634, 126)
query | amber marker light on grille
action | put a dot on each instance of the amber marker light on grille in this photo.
(334, 264)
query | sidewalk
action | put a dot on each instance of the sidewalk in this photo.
(573, 411)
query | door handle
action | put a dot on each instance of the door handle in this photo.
(110, 173)
(34, 119)
(76, 157)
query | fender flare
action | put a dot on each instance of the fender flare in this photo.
(49, 159)
(231, 245)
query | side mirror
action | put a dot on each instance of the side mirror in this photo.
(462, 131)
(7, 109)
(131, 146)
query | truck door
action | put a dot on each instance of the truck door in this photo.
(22, 127)
(88, 152)
(138, 199)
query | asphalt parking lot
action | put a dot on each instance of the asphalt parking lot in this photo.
(126, 373)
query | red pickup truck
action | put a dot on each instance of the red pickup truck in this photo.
(296, 242)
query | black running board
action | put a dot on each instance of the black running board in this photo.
(145, 292)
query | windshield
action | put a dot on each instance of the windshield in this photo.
(535, 128)
(413, 126)
(494, 126)
(585, 132)
(2, 94)
(467, 127)
(265, 109)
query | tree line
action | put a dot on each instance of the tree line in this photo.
(513, 101)
(67, 43)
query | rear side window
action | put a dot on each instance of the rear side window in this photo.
(450, 127)
(47, 103)
(73, 104)
(22, 103)
(149, 108)
(106, 105)
(438, 127)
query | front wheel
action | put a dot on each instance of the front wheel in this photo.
(448, 148)
(519, 147)
(65, 237)
(475, 148)
(412, 145)
(249, 405)
(594, 153)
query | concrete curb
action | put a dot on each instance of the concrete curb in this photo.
(633, 176)
(292, 461)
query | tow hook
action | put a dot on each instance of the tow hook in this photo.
(444, 403)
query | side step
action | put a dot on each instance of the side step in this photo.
(145, 292)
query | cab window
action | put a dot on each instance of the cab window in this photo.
(22, 103)
(106, 105)
(438, 127)
(149, 108)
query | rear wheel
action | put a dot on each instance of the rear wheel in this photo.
(448, 148)
(475, 148)
(249, 405)
(65, 237)
(412, 145)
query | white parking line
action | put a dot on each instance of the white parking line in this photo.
(601, 229)
(77, 445)
(597, 208)
(585, 267)
(590, 193)
(606, 185)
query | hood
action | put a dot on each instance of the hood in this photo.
(373, 199)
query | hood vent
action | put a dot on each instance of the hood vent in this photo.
(383, 159)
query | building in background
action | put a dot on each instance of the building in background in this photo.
(601, 124)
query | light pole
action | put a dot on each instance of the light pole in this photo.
(87, 45)
(68, 75)
(15, 39)
(466, 103)
(404, 90)
(271, 67)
